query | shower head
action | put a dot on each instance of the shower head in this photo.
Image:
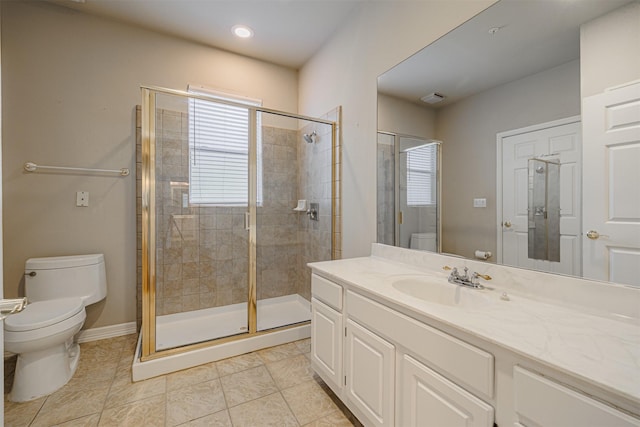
(310, 138)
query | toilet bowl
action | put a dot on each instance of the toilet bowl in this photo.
(43, 333)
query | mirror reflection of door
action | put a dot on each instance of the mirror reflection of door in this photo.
(412, 221)
(530, 186)
(611, 155)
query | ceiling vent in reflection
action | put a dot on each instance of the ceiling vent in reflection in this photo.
(433, 98)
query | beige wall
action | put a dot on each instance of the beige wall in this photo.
(70, 86)
(403, 117)
(609, 48)
(344, 72)
(468, 130)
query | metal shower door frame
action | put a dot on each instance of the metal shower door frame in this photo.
(148, 331)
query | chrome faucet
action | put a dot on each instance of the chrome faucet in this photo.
(466, 279)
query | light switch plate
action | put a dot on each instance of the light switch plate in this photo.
(480, 203)
(82, 198)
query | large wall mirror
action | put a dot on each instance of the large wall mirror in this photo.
(500, 101)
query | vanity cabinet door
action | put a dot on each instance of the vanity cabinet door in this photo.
(426, 398)
(326, 343)
(540, 401)
(369, 370)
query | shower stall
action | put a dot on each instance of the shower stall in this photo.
(408, 192)
(222, 247)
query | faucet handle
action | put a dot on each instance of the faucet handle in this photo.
(484, 276)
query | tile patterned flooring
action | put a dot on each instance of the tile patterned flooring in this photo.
(270, 387)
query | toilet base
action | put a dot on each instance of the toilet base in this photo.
(41, 373)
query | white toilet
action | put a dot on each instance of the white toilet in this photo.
(423, 242)
(57, 289)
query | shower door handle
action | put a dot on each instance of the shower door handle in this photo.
(247, 216)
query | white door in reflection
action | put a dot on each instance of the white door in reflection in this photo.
(560, 142)
(612, 176)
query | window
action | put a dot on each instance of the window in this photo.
(219, 151)
(421, 175)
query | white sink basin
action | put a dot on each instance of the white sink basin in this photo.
(445, 293)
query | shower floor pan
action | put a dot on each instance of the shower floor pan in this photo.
(177, 330)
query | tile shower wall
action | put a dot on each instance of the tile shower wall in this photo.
(385, 190)
(277, 240)
(315, 185)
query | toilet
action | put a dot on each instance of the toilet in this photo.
(423, 242)
(58, 289)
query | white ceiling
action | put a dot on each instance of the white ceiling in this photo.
(534, 35)
(286, 32)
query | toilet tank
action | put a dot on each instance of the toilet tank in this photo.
(423, 242)
(81, 276)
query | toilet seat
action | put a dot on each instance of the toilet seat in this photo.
(41, 314)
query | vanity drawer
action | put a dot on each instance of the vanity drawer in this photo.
(541, 401)
(326, 291)
(462, 363)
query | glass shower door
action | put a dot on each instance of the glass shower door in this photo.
(293, 221)
(200, 181)
(418, 193)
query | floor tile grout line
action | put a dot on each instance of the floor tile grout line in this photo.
(283, 398)
(297, 352)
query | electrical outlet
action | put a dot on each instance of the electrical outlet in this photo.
(82, 198)
(480, 203)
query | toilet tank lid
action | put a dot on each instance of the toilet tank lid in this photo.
(49, 263)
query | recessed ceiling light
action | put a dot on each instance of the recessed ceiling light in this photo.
(242, 31)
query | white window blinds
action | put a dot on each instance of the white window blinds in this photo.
(219, 151)
(421, 175)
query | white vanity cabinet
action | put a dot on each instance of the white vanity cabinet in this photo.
(426, 398)
(326, 343)
(540, 401)
(327, 331)
(375, 366)
(369, 374)
(391, 369)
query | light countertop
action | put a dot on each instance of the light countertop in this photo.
(600, 350)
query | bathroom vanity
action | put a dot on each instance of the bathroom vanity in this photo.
(399, 345)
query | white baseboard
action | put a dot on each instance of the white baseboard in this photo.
(95, 334)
